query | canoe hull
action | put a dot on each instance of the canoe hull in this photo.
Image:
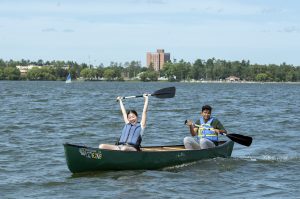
(83, 159)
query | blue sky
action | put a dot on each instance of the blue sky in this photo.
(262, 31)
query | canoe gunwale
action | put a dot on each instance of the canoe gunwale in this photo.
(160, 148)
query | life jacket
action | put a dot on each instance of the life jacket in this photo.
(131, 134)
(206, 130)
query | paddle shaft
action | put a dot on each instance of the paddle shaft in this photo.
(168, 92)
(134, 96)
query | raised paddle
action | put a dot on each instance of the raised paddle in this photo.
(241, 139)
(162, 93)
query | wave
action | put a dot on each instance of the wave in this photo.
(270, 158)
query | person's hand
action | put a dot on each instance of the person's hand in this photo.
(217, 131)
(146, 95)
(222, 132)
(119, 98)
(189, 122)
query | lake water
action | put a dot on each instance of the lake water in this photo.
(36, 118)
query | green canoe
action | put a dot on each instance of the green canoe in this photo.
(83, 158)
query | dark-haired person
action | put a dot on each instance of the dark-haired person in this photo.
(205, 131)
(133, 131)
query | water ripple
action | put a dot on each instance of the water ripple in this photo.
(38, 117)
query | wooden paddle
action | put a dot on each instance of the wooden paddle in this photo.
(162, 93)
(241, 139)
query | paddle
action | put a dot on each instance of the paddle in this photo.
(241, 139)
(162, 93)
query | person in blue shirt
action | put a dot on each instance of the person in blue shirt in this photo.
(205, 131)
(131, 136)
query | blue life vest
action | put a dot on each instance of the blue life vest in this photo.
(131, 134)
(206, 130)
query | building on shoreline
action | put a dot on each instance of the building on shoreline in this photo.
(232, 79)
(24, 69)
(157, 59)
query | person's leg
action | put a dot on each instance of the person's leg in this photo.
(190, 143)
(127, 148)
(109, 146)
(206, 143)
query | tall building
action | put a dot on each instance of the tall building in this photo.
(158, 59)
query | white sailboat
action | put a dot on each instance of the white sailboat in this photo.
(69, 79)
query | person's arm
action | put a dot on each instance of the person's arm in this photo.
(219, 128)
(220, 131)
(145, 109)
(192, 128)
(123, 110)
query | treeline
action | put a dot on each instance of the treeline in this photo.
(58, 70)
(216, 69)
(208, 70)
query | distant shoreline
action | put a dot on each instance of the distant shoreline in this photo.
(191, 82)
(239, 82)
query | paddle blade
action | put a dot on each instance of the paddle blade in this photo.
(165, 92)
(241, 139)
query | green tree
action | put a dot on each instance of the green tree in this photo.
(1, 73)
(261, 77)
(89, 73)
(219, 70)
(290, 76)
(132, 69)
(44, 73)
(183, 70)
(149, 76)
(169, 71)
(99, 72)
(209, 72)
(198, 70)
(2, 63)
(11, 63)
(109, 74)
(11, 73)
(85, 73)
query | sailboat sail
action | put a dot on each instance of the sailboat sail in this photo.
(68, 78)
